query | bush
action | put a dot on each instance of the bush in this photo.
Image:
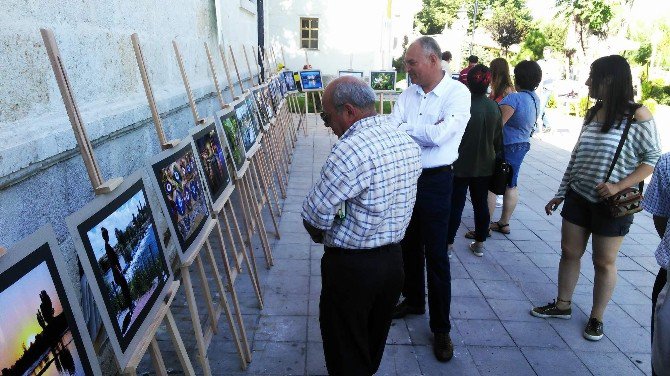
(579, 107)
(651, 104)
(657, 90)
(551, 102)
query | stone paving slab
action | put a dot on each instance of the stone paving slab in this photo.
(492, 331)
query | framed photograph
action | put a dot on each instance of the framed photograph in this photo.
(42, 329)
(233, 138)
(281, 84)
(124, 261)
(245, 112)
(354, 73)
(311, 80)
(213, 162)
(383, 81)
(291, 87)
(265, 111)
(182, 197)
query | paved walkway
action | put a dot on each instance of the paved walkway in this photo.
(492, 331)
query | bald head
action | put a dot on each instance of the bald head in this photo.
(347, 100)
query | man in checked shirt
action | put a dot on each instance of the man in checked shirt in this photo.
(359, 210)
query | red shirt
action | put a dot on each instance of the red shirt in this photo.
(463, 77)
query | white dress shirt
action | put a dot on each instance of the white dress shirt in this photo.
(436, 120)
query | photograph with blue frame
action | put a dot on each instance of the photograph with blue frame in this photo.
(245, 118)
(343, 73)
(311, 80)
(182, 191)
(212, 160)
(38, 332)
(122, 244)
(290, 81)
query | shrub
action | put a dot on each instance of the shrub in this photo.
(657, 90)
(579, 107)
(551, 102)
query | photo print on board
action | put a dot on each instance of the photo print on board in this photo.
(383, 81)
(123, 248)
(289, 81)
(245, 119)
(213, 160)
(182, 191)
(234, 144)
(311, 80)
(39, 334)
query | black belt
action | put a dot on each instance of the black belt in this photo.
(435, 170)
(385, 248)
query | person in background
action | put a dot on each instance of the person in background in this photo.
(584, 188)
(501, 82)
(434, 112)
(472, 61)
(474, 166)
(549, 70)
(359, 210)
(446, 60)
(657, 202)
(519, 113)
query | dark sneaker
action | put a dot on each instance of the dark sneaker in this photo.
(551, 310)
(443, 348)
(403, 309)
(593, 330)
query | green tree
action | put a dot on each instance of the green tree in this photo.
(436, 14)
(590, 17)
(509, 25)
(543, 35)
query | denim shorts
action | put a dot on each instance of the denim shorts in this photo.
(594, 217)
(514, 154)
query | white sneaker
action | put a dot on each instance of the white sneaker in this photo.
(450, 250)
(499, 201)
(477, 249)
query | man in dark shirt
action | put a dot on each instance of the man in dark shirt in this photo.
(472, 61)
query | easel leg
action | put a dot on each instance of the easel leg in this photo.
(257, 176)
(213, 316)
(157, 358)
(247, 189)
(266, 174)
(277, 162)
(195, 319)
(179, 345)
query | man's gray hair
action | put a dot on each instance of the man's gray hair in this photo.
(355, 92)
(430, 46)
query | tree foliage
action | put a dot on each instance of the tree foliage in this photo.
(436, 14)
(590, 17)
(508, 25)
(542, 35)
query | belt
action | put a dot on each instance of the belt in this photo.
(435, 170)
(343, 251)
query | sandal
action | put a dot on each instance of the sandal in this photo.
(471, 235)
(499, 227)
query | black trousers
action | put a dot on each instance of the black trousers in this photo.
(425, 244)
(661, 279)
(479, 191)
(359, 289)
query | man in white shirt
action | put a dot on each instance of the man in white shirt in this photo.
(434, 112)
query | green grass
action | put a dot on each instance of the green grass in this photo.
(310, 106)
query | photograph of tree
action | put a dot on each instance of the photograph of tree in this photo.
(212, 160)
(311, 80)
(36, 336)
(245, 119)
(289, 81)
(182, 190)
(231, 128)
(382, 80)
(122, 244)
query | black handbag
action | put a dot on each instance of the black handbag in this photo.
(629, 200)
(502, 175)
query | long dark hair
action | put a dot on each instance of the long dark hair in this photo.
(501, 78)
(612, 88)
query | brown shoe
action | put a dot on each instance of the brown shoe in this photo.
(443, 348)
(403, 309)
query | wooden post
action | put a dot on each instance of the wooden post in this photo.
(237, 71)
(157, 358)
(231, 87)
(195, 319)
(283, 57)
(189, 92)
(214, 77)
(251, 75)
(179, 344)
(85, 147)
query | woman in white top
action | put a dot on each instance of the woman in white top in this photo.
(585, 187)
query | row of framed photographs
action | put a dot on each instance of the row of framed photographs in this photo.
(122, 248)
(382, 81)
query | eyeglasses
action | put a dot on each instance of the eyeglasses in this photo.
(326, 118)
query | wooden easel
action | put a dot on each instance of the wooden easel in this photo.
(94, 175)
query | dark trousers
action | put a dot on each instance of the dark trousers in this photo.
(425, 243)
(479, 189)
(661, 279)
(359, 289)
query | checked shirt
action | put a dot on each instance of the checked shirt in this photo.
(374, 168)
(657, 202)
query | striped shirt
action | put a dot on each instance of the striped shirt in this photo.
(657, 202)
(374, 168)
(592, 156)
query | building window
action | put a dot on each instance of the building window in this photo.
(309, 33)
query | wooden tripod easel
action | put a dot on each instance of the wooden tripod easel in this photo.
(163, 313)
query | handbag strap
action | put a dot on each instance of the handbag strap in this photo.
(537, 112)
(629, 121)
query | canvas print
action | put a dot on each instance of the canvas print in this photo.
(311, 80)
(38, 333)
(182, 191)
(231, 128)
(281, 84)
(382, 80)
(212, 160)
(275, 94)
(263, 113)
(122, 245)
(290, 81)
(245, 118)
(358, 74)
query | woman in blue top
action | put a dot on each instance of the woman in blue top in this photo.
(519, 113)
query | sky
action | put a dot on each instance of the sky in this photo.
(119, 219)
(18, 308)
